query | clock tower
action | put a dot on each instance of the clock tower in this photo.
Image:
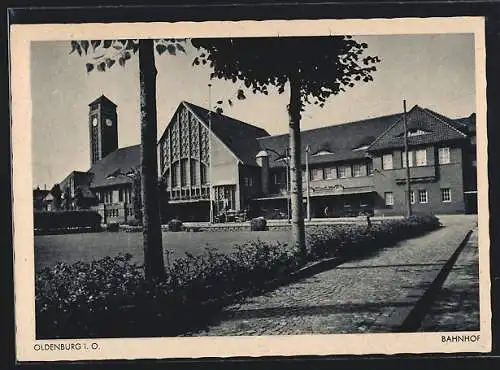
(103, 128)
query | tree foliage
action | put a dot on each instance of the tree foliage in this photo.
(323, 66)
(105, 53)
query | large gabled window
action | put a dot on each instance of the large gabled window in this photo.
(387, 162)
(444, 155)
(421, 157)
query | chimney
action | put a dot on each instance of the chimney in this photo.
(262, 159)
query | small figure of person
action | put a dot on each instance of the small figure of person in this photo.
(326, 211)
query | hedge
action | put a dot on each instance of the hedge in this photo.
(67, 219)
(111, 298)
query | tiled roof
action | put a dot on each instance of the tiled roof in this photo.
(240, 137)
(340, 140)
(113, 169)
(469, 121)
(438, 128)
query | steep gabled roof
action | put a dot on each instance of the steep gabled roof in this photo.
(341, 140)
(113, 169)
(436, 127)
(240, 137)
(103, 100)
(40, 194)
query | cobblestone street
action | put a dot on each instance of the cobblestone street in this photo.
(456, 306)
(370, 295)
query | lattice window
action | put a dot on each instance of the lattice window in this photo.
(195, 141)
(205, 156)
(175, 141)
(184, 131)
(166, 150)
(95, 143)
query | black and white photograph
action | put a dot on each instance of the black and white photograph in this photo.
(250, 188)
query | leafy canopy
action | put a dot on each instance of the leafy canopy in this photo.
(105, 53)
(322, 66)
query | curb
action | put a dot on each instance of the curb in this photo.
(414, 316)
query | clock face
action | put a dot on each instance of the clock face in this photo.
(109, 122)
(94, 122)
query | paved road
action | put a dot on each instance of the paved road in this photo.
(456, 306)
(369, 295)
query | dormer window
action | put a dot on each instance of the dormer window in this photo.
(114, 174)
(364, 147)
(415, 132)
(323, 152)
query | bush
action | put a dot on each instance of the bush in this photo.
(67, 219)
(81, 298)
(134, 222)
(258, 224)
(113, 227)
(175, 225)
(355, 240)
(111, 298)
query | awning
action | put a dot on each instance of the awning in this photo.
(344, 192)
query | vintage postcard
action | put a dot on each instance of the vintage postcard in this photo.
(272, 188)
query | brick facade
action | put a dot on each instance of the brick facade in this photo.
(241, 167)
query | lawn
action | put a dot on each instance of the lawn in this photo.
(50, 249)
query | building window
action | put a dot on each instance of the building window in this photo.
(344, 171)
(194, 173)
(389, 198)
(444, 155)
(412, 197)
(120, 195)
(446, 195)
(421, 157)
(175, 174)
(184, 172)
(276, 179)
(369, 168)
(331, 173)
(317, 174)
(387, 162)
(410, 158)
(422, 196)
(204, 177)
(358, 170)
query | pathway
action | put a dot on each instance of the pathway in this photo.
(370, 295)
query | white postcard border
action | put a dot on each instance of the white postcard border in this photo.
(29, 349)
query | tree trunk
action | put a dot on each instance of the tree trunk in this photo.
(154, 266)
(298, 229)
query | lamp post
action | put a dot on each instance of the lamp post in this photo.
(408, 186)
(287, 185)
(287, 156)
(210, 187)
(308, 196)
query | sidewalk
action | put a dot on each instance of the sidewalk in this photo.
(370, 295)
(456, 306)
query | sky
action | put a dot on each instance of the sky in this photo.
(434, 71)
